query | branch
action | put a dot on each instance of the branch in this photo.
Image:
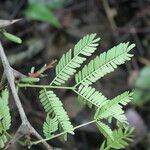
(25, 128)
(10, 78)
(4, 23)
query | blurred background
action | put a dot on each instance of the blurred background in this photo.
(49, 28)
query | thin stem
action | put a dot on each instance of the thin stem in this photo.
(8, 135)
(45, 86)
(19, 141)
(57, 135)
(84, 124)
(110, 14)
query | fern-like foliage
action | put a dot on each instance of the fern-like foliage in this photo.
(103, 64)
(54, 107)
(57, 119)
(121, 139)
(113, 108)
(105, 129)
(50, 126)
(88, 95)
(73, 59)
(3, 140)
(5, 118)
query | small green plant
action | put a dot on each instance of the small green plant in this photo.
(57, 121)
(44, 11)
(142, 87)
(10, 37)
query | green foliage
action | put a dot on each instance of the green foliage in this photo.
(53, 4)
(104, 129)
(68, 64)
(113, 108)
(88, 95)
(142, 87)
(41, 12)
(57, 119)
(53, 106)
(121, 138)
(5, 118)
(104, 64)
(50, 126)
(29, 80)
(12, 37)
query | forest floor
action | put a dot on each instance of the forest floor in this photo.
(114, 21)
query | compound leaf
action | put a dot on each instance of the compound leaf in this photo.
(68, 64)
(104, 64)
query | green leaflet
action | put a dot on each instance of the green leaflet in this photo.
(114, 108)
(91, 97)
(103, 146)
(12, 37)
(50, 126)
(68, 64)
(54, 107)
(3, 140)
(104, 129)
(41, 12)
(121, 139)
(104, 64)
(141, 96)
(5, 118)
(29, 80)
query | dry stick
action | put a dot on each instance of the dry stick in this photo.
(25, 128)
(109, 14)
(10, 77)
